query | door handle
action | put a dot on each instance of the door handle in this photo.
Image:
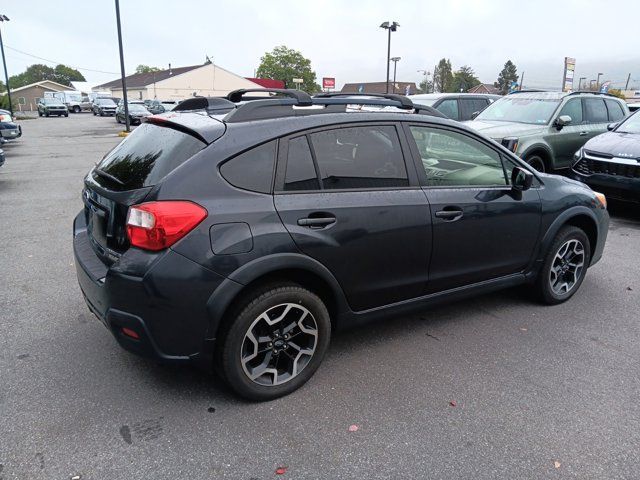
(316, 222)
(449, 215)
(584, 134)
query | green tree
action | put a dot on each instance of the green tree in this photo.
(286, 64)
(464, 79)
(146, 69)
(617, 92)
(508, 75)
(65, 75)
(443, 76)
(39, 72)
(426, 86)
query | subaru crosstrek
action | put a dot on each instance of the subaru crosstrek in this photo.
(239, 233)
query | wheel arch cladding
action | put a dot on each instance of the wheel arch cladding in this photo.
(295, 268)
(542, 151)
(580, 217)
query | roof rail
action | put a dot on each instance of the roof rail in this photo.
(205, 103)
(302, 98)
(577, 92)
(405, 102)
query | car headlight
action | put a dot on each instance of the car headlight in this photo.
(510, 143)
(602, 200)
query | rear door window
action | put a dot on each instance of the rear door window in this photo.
(595, 110)
(360, 157)
(616, 113)
(300, 173)
(146, 156)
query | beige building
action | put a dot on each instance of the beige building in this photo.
(26, 98)
(178, 83)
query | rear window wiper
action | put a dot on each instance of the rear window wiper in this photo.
(108, 176)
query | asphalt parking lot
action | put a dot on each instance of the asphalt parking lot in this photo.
(494, 387)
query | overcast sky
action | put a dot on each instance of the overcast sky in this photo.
(341, 38)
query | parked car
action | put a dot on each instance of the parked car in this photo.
(611, 162)
(51, 106)
(456, 106)
(633, 106)
(9, 130)
(241, 233)
(73, 100)
(136, 113)
(157, 106)
(104, 106)
(546, 128)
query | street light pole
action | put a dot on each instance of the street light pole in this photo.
(124, 81)
(580, 82)
(598, 82)
(4, 18)
(390, 27)
(395, 64)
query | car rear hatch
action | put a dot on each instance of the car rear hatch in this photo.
(126, 175)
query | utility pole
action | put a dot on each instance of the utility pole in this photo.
(124, 81)
(4, 18)
(626, 87)
(521, 80)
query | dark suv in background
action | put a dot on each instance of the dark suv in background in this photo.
(239, 232)
(456, 106)
(547, 128)
(104, 106)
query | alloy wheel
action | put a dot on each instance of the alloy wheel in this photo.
(567, 267)
(279, 344)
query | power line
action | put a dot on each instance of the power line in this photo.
(59, 63)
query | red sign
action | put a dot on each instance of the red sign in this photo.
(328, 82)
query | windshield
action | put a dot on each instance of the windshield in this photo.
(630, 125)
(427, 102)
(52, 101)
(137, 108)
(105, 101)
(535, 111)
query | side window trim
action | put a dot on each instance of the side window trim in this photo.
(283, 148)
(417, 159)
(314, 159)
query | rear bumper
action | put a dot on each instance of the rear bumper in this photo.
(616, 187)
(162, 297)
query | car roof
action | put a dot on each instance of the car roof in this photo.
(435, 96)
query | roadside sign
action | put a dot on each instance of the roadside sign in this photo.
(297, 80)
(328, 82)
(569, 69)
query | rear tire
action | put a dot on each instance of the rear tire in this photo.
(76, 109)
(564, 267)
(274, 342)
(537, 162)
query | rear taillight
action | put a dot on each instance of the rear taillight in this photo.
(158, 225)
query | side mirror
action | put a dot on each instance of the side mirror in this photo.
(612, 126)
(562, 121)
(521, 179)
(474, 115)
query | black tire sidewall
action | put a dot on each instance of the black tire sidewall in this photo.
(537, 159)
(546, 293)
(231, 367)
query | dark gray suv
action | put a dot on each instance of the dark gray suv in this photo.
(239, 232)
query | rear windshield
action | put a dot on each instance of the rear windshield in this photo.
(147, 155)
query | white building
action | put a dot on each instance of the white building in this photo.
(179, 83)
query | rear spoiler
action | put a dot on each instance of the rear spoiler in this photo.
(204, 128)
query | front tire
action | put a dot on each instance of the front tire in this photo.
(76, 109)
(275, 342)
(564, 267)
(537, 162)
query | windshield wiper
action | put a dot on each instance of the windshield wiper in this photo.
(108, 176)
